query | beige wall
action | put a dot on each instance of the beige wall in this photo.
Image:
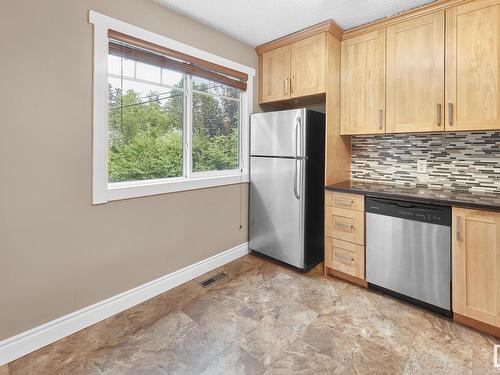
(58, 253)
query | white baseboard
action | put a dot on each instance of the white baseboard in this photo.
(38, 337)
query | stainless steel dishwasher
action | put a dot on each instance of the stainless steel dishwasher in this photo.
(408, 253)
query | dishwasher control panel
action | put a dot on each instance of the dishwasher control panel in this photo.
(427, 213)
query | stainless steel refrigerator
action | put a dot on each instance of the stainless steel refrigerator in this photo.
(287, 163)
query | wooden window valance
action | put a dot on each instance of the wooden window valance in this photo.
(139, 50)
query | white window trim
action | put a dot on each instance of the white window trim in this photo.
(102, 191)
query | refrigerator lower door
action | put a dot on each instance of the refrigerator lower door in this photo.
(277, 209)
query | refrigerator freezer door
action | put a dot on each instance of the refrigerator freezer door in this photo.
(276, 212)
(279, 133)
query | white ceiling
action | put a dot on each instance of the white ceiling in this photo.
(259, 21)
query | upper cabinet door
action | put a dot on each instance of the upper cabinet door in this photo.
(308, 66)
(472, 66)
(275, 73)
(363, 84)
(415, 75)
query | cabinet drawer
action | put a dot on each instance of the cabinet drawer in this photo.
(345, 257)
(345, 225)
(345, 200)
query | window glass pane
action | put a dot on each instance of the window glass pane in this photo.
(144, 131)
(215, 88)
(148, 72)
(114, 83)
(216, 124)
(171, 78)
(129, 84)
(114, 65)
(128, 68)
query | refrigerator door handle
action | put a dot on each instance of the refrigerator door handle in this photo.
(296, 180)
(297, 129)
(297, 145)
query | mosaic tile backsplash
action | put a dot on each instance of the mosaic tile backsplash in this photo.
(457, 161)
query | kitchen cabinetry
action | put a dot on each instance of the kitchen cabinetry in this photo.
(476, 265)
(295, 70)
(275, 74)
(308, 66)
(303, 69)
(345, 236)
(362, 108)
(438, 76)
(473, 66)
(409, 73)
(415, 75)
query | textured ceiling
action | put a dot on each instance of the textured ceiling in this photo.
(259, 21)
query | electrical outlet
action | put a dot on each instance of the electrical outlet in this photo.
(422, 166)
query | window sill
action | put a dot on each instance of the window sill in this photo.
(126, 190)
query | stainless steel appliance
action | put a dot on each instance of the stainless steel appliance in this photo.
(408, 251)
(287, 150)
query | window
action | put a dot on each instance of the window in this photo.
(145, 121)
(216, 126)
(167, 117)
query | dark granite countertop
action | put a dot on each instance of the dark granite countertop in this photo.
(486, 201)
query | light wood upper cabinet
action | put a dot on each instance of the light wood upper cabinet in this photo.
(441, 76)
(308, 66)
(432, 71)
(476, 265)
(295, 70)
(473, 66)
(363, 84)
(415, 75)
(275, 71)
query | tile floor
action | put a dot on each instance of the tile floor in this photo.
(266, 318)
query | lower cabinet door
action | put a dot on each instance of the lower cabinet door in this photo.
(345, 257)
(476, 265)
(346, 225)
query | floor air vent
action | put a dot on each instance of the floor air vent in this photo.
(206, 283)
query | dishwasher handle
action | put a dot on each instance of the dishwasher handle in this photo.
(409, 205)
(423, 212)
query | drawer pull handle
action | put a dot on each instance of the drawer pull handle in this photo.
(344, 259)
(346, 227)
(343, 202)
